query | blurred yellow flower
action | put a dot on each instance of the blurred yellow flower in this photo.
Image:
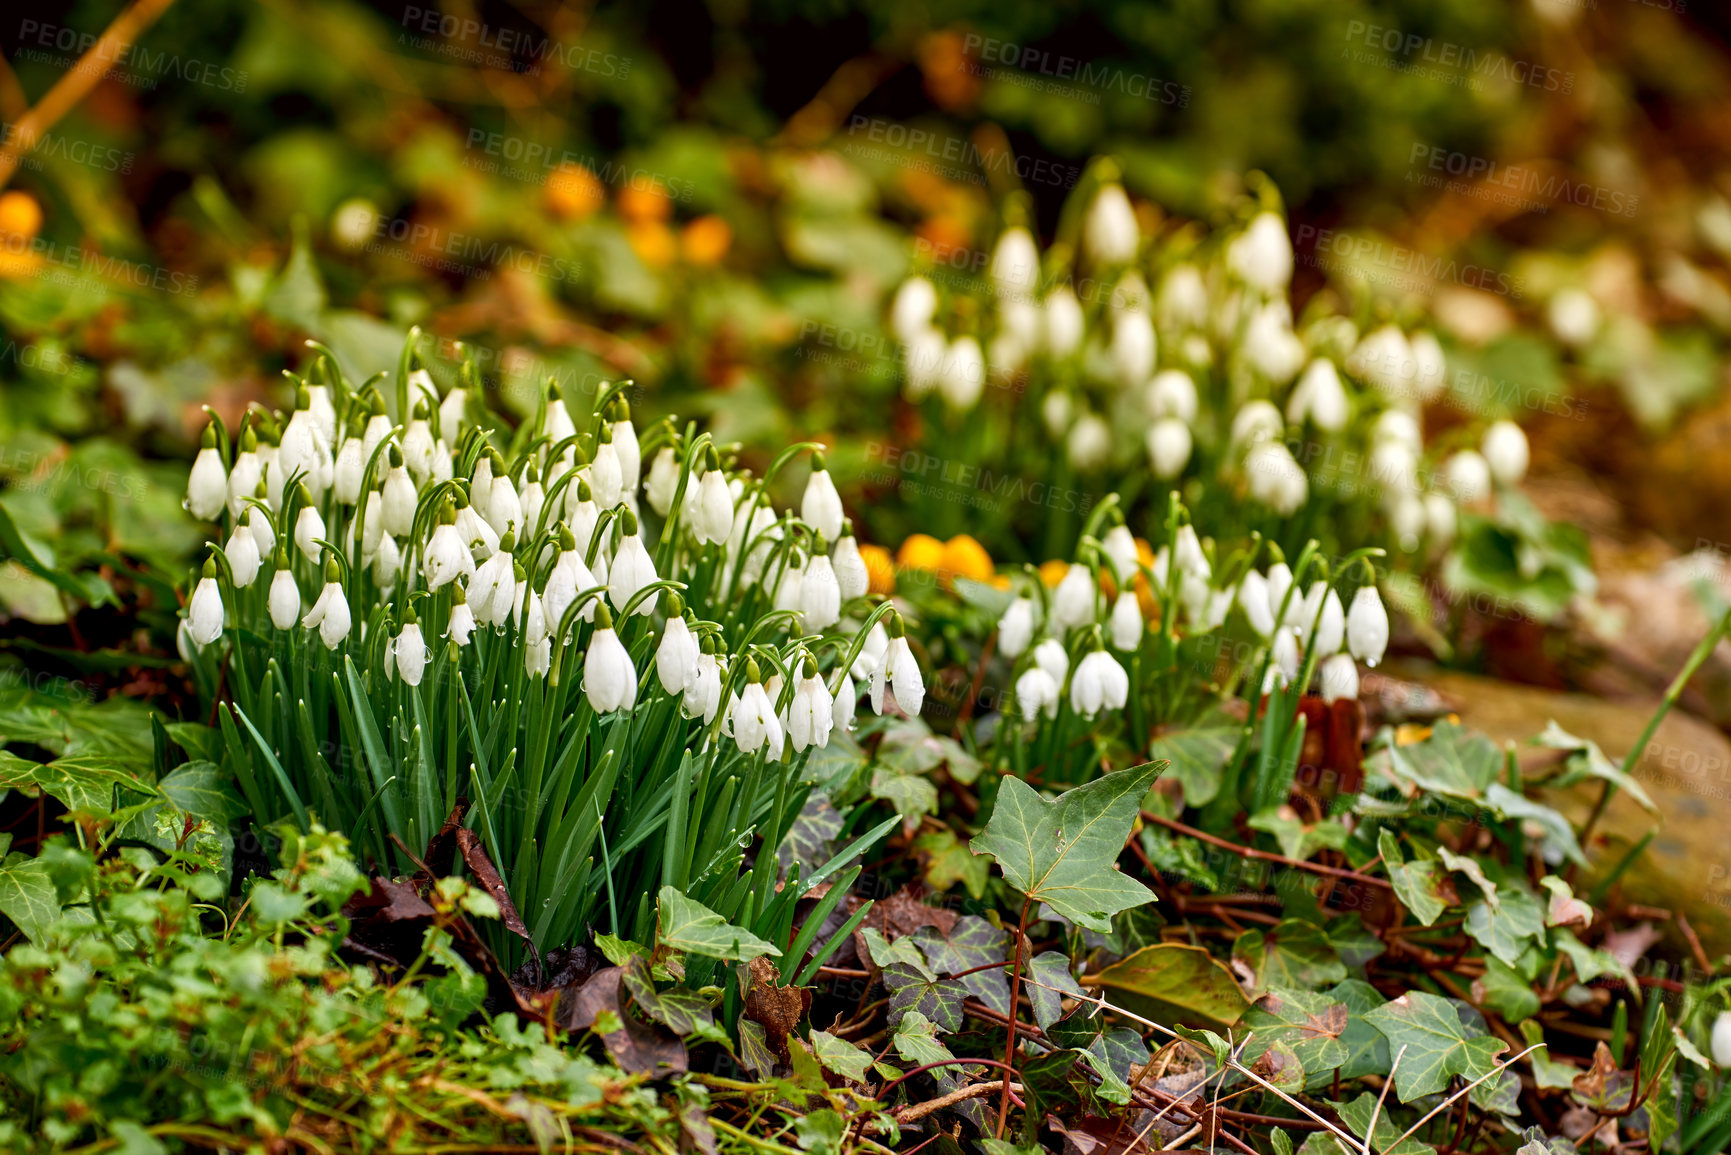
(1052, 572)
(653, 242)
(648, 201)
(573, 192)
(965, 557)
(921, 551)
(880, 570)
(20, 220)
(706, 240)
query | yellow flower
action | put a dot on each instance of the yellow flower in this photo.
(880, 570)
(642, 203)
(1052, 572)
(921, 551)
(20, 218)
(964, 557)
(706, 240)
(573, 192)
(653, 242)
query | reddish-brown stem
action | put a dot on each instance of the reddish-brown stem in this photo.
(1015, 999)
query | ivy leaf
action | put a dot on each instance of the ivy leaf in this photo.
(949, 861)
(1514, 806)
(1422, 887)
(754, 1047)
(1291, 954)
(911, 991)
(1309, 1023)
(808, 839)
(1506, 927)
(1586, 760)
(916, 1041)
(1366, 1047)
(1357, 1114)
(1176, 982)
(1453, 761)
(689, 926)
(1438, 1046)
(841, 1056)
(1051, 968)
(912, 796)
(27, 895)
(81, 783)
(204, 791)
(1198, 755)
(1505, 991)
(1064, 852)
(901, 951)
(1475, 873)
(1298, 840)
(971, 942)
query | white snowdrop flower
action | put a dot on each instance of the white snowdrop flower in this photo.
(899, 672)
(963, 377)
(1406, 516)
(1276, 479)
(1721, 1042)
(1131, 292)
(925, 357)
(1172, 393)
(1089, 442)
(1119, 546)
(1270, 344)
(243, 555)
(819, 595)
(755, 725)
(1211, 609)
(789, 584)
(1189, 556)
(309, 528)
(911, 312)
(1285, 654)
(1015, 265)
(272, 477)
(531, 614)
(377, 429)
(845, 705)
(1440, 518)
(421, 384)
(676, 656)
(330, 612)
(1100, 683)
(1400, 427)
(585, 516)
(703, 694)
(533, 499)
(1016, 628)
(446, 556)
(811, 714)
(1574, 317)
(474, 530)
(258, 522)
(556, 423)
(1127, 626)
(397, 505)
(1279, 582)
(1339, 678)
(1367, 626)
(207, 484)
(538, 657)
(1007, 353)
(871, 654)
(1073, 600)
(627, 449)
(1109, 231)
(1394, 466)
(1051, 657)
(462, 624)
(1430, 365)
(1253, 599)
(303, 451)
(1319, 397)
(407, 653)
(570, 577)
(755, 534)
(1133, 347)
(609, 678)
(503, 507)
(712, 521)
(1057, 410)
(606, 476)
(387, 560)
(1261, 256)
(204, 613)
(1169, 447)
(820, 505)
(1255, 422)
(1468, 476)
(1062, 322)
(851, 576)
(631, 570)
(1036, 694)
(346, 475)
(285, 596)
(444, 462)
(1183, 300)
(663, 480)
(1330, 623)
(1505, 450)
(1384, 358)
(248, 471)
(494, 589)
(451, 411)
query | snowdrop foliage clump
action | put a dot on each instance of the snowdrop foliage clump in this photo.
(613, 674)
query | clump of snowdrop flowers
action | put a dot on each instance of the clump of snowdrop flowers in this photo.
(448, 597)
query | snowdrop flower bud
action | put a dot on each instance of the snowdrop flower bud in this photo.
(1430, 365)
(378, 426)
(418, 444)
(871, 654)
(1395, 466)
(1183, 300)
(1100, 682)
(811, 714)
(1279, 582)
(271, 477)
(712, 520)
(851, 576)
(1276, 479)
(243, 555)
(285, 596)
(1127, 626)
(1384, 358)
(1330, 623)
(1721, 1042)
(407, 652)
(1270, 344)
(397, 507)
(495, 586)
(663, 480)
(204, 614)
(387, 559)
(1505, 450)
(346, 475)
(1089, 442)
(632, 569)
(963, 376)
(421, 385)
(1109, 231)
(446, 556)
(1133, 347)
(1573, 316)
(789, 584)
(925, 356)
(533, 499)
(1169, 447)
(606, 475)
(570, 577)
(309, 529)
(1261, 256)
(1191, 560)
(330, 612)
(451, 411)
(703, 693)
(1339, 678)
(1120, 549)
(1015, 263)
(819, 595)
(1253, 599)
(1285, 654)
(1062, 322)
(1172, 393)
(1468, 475)
(676, 656)
(1398, 427)
(1073, 600)
(1319, 398)
(1036, 694)
(556, 424)
(1050, 656)
(1406, 516)
(1440, 519)
(845, 705)
(625, 446)
(304, 449)
(899, 672)
(207, 484)
(1016, 628)
(259, 523)
(820, 507)
(462, 623)
(502, 508)
(248, 471)
(755, 725)
(911, 312)
(584, 515)
(1367, 626)
(474, 530)
(609, 679)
